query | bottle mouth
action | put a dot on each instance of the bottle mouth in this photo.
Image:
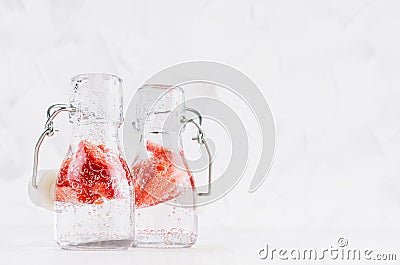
(156, 104)
(160, 86)
(95, 75)
(97, 97)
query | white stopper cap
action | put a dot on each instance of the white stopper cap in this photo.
(43, 196)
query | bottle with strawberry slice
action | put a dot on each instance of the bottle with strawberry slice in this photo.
(165, 194)
(93, 193)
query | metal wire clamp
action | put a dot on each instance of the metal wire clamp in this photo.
(52, 112)
(200, 138)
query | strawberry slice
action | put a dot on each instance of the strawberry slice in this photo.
(157, 179)
(89, 176)
(152, 185)
(62, 178)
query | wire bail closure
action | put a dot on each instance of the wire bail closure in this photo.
(52, 112)
(55, 109)
(202, 141)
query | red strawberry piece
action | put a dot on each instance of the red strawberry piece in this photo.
(88, 176)
(157, 178)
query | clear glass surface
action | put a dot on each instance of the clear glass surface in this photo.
(94, 191)
(165, 193)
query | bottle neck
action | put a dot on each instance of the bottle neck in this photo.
(96, 133)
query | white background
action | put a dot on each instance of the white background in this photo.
(328, 69)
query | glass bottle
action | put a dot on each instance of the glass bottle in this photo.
(93, 192)
(165, 194)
